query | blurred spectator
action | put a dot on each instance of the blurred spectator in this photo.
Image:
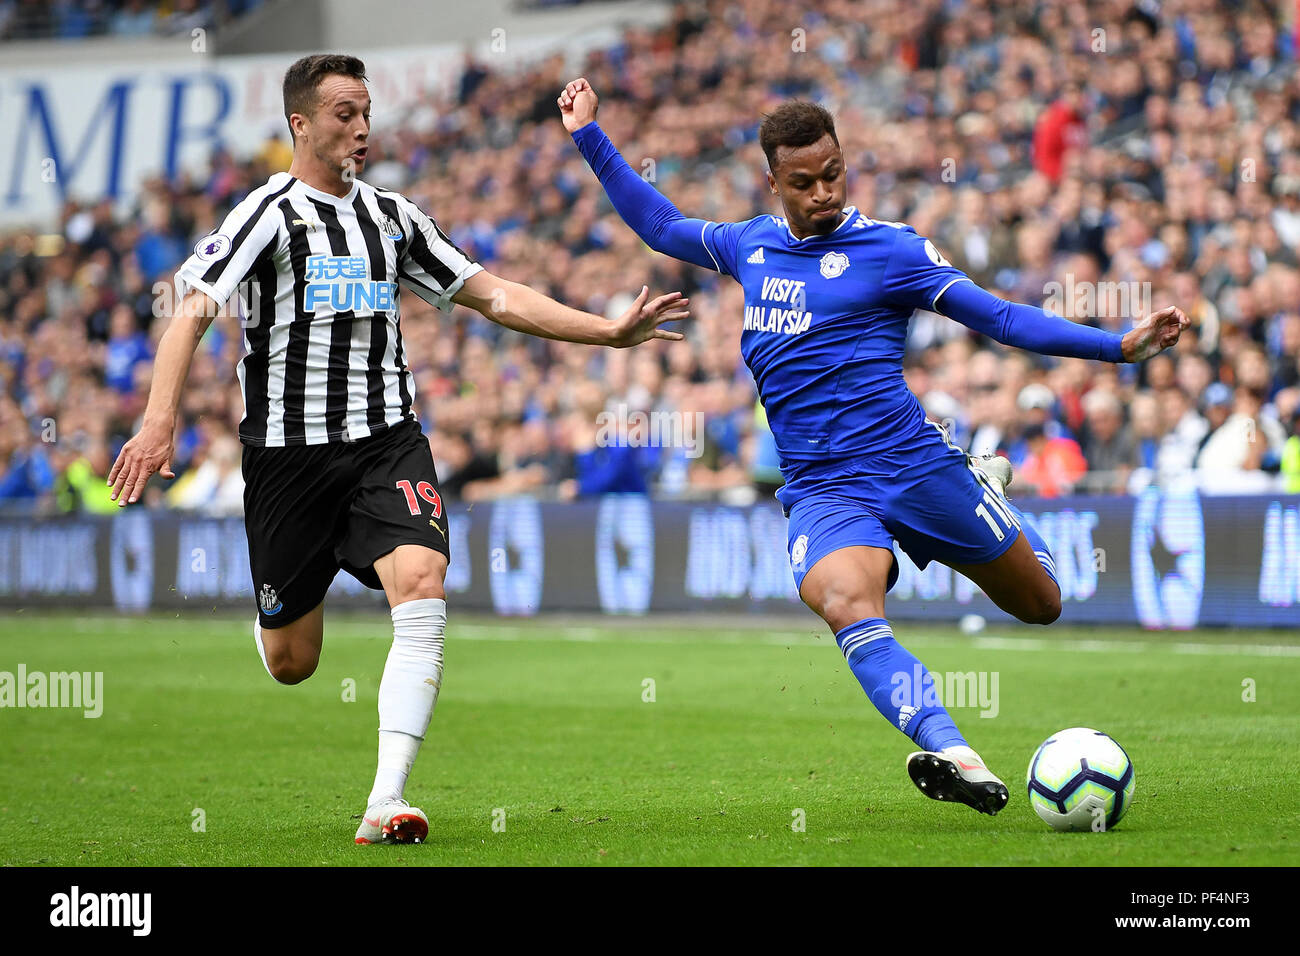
(1244, 439)
(26, 469)
(1216, 405)
(1183, 431)
(136, 18)
(458, 465)
(159, 249)
(606, 457)
(1035, 403)
(1147, 429)
(127, 347)
(1060, 131)
(184, 17)
(1108, 444)
(214, 484)
(1051, 466)
(82, 483)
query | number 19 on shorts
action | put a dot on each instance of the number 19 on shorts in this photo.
(424, 490)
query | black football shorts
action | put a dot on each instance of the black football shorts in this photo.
(310, 510)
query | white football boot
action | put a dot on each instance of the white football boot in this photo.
(957, 775)
(996, 467)
(394, 821)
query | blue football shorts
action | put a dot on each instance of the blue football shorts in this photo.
(931, 501)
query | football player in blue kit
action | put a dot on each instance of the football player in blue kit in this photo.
(829, 293)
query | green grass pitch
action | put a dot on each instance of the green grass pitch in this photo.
(545, 750)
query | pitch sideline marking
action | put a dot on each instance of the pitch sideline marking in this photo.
(489, 632)
(589, 634)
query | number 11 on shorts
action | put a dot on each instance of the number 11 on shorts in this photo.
(425, 491)
(983, 512)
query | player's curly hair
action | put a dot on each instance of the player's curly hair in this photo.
(303, 78)
(796, 123)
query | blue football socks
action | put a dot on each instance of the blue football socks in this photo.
(898, 684)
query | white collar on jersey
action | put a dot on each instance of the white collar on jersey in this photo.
(850, 213)
(329, 197)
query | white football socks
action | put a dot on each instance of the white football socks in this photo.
(261, 650)
(408, 692)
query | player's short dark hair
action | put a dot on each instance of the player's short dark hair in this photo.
(303, 78)
(794, 124)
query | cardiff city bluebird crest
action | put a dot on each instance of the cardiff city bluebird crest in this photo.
(799, 551)
(834, 264)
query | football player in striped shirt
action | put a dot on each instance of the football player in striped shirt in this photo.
(337, 471)
(829, 293)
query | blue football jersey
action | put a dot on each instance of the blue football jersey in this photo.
(825, 325)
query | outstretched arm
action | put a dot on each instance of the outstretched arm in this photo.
(651, 216)
(435, 269)
(917, 275)
(1025, 327)
(524, 309)
(1046, 333)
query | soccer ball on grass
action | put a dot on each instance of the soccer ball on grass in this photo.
(1080, 779)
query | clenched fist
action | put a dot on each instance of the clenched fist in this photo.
(1157, 332)
(578, 104)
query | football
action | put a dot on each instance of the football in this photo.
(1080, 779)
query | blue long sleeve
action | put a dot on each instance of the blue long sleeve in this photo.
(652, 217)
(1025, 327)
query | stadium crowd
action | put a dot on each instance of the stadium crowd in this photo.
(1104, 158)
(77, 19)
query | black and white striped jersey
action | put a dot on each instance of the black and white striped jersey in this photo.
(318, 278)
